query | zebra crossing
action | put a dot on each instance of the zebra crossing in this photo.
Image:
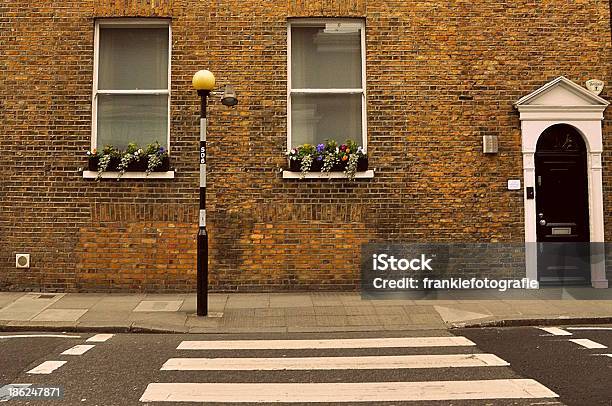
(442, 356)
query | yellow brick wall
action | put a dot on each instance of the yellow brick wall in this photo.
(432, 181)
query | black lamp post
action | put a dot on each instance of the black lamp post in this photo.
(204, 83)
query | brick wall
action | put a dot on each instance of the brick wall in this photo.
(432, 182)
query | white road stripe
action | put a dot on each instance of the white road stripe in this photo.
(5, 394)
(78, 350)
(46, 367)
(590, 328)
(312, 363)
(99, 338)
(346, 392)
(555, 331)
(326, 343)
(586, 343)
(39, 336)
(607, 355)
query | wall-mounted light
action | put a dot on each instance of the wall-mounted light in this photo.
(229, 96)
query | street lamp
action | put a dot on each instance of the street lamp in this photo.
(204, 82)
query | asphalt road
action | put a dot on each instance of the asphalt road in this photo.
(581, 376)
(119, 370)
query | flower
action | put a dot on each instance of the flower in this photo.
(345, 157)
(293, 151)
(162, 150)
(88, 153)
(320, 147)
(343, 147)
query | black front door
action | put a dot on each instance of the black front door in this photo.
(562, 210)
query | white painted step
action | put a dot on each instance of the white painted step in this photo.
(401, 342)
(327, 363)
(346, 392)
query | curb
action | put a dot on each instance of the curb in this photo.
(534, 322)
(139, 329)
(91, 329)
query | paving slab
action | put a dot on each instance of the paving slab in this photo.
(392, 302)
(9, 297)
(28, 306)
(329, 310)
(120, 316)
(301, 321)
(456, 315)
(60, 315)
(419, 309)
(299, 311)
(77, 301)
(215, 305)
(394, 319)
(248, 301)
(371, 320)
(321, 299)
(174, 318)
(159, 306)
(269, 312)
(166, 296)
(201, 322)
(428, 319)
(288, 300)
(363, 310)
(328, 321)
(390, 310)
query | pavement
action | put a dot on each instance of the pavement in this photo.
(292, 312)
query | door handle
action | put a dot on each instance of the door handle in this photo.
(542, 222)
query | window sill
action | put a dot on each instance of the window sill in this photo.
(129, 175)
(369, 174)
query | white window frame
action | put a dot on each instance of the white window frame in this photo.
(132, 23)
(309, 22)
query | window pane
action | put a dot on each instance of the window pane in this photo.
(133, 58)
(122, 119)
(317, 117)
(324, 57)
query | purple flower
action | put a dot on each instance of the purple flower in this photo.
(319, 158)
(162, 150)
(320, 148)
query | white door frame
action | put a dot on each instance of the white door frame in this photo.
(564, 102)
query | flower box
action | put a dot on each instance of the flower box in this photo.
(362, 165)
(134, 166)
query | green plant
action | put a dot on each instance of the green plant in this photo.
(153, 153)
(347, 154)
